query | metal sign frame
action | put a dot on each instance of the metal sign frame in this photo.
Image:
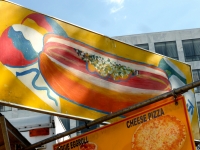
(173, 93)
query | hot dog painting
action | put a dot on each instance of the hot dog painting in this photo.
(51, 65)
(110, 83)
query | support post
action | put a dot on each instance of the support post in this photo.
(5, 134)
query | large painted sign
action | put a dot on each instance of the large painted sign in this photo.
(164, 125)
(51, 65)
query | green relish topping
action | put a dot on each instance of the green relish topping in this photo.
(106, 67)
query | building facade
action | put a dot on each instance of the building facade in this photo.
(183, 45)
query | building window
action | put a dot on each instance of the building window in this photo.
(80, 123)
(167, 48)
(71, 123)
(5, 108)
(144, 46)
(196, 77)
(191, 49)
(198, 105)
(66, 123)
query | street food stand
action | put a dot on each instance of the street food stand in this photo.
(57, 68)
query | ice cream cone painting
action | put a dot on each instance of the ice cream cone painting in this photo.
(63, 68)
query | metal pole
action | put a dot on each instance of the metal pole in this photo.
(174, 92)
(4, 131)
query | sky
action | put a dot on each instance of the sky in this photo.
(121, 17)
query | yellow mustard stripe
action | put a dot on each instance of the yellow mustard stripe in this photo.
(32, 24)
(152, 78)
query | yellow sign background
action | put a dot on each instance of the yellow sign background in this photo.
(118, 136)
(13, 90)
